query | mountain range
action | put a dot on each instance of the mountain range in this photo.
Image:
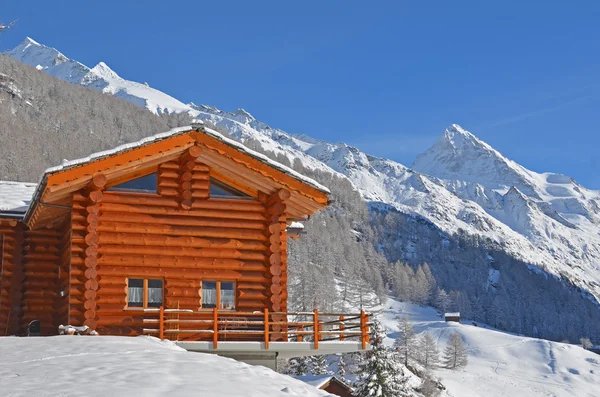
(460, 185)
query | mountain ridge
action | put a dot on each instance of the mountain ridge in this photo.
(460, 184)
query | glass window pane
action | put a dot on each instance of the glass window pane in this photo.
(155, 293)
(227, 296)
(219, 189)
(209, 294)
(135, 292)
(144, 184)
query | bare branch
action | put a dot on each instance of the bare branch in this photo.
(8, 26)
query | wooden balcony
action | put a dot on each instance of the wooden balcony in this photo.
(266, 328)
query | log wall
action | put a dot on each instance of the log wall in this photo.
(11, 275)
(41, 278)
(180, 236)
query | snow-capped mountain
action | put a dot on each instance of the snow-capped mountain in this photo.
(100, 77)
(461, 184)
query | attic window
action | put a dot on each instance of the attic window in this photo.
(143, 184)
(220, 189)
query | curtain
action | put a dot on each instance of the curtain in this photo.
(209, 297)
(136, 296)
(155, 296)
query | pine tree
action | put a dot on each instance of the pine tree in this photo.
(405, 343)
(455, 354)
(381, 374)
(298, 366)
(442, 300)
(341, 368)
(429, 354)
(318, 365)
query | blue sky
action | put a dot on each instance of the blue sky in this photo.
(521, 75)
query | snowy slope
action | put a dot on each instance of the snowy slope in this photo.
(461, 184)
(502, 364)
(122, 366)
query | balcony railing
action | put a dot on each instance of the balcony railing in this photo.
(265, 326)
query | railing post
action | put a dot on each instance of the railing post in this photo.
(363, 329)
(300, 337)
(161, 322)
(342, 327)
(215, 328)
(266, 328)
(316, 328)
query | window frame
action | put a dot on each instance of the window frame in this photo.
(226, 186)
(218, 295)
(116, 189)
(145, 293)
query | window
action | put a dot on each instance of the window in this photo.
(219, 189)
(143, 184)
(144, 292)
(220, 294)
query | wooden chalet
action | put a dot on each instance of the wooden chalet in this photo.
(452, 317)
(182, 235)
(329, 383)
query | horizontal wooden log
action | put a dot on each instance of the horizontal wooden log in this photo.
(199, 213)
(182, 292)
(173, 282)
(214, 204)
(251, 294)
(128, 239)
(183, 252)
(175, 262)
(184, 302)
(146, 219)
(182, 231)
(251, 304)
(142, 272)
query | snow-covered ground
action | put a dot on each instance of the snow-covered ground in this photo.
(125, 366)
(503, 364)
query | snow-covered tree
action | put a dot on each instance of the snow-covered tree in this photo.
(455, 354)
(341, 368)
(442, 300)
(298, 366)
(381, 374)
(586, 343)
(428, 353)
(405, 343)
(318, 365)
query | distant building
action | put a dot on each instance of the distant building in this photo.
(329, 383)
(452, 317)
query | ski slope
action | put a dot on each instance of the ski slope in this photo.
(126, 366)
(502, 364)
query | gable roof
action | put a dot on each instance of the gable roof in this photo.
(323, 381)
(181, 130)
(15, 197)
(219, 152)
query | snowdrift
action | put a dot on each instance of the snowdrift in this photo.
(126, 366)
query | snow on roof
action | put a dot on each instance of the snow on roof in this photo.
(15, 197)
(317, 381)
(176, 131)
(454, 314)
(296, 225)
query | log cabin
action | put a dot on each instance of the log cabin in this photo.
(182, 235)
(329, 383)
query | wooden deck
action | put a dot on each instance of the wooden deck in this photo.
(259, 326)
